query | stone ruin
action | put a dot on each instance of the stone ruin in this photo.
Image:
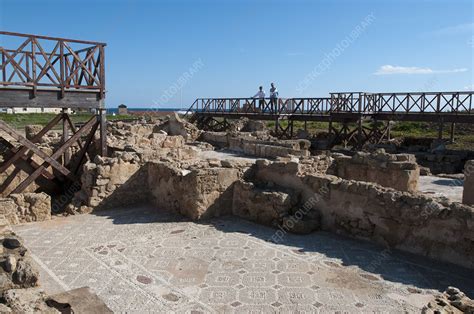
(370, 196)
(399, 171)
(431, 155)
(297, 195)
(254, 144)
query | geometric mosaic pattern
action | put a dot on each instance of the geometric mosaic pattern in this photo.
(144, 260)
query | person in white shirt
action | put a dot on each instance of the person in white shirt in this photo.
(273, 97)
(261, 96)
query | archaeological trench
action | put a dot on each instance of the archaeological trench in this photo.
(371, 197)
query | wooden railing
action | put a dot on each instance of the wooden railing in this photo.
(347, 102)
(49, 62)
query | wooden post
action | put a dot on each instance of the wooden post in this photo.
(65, 137)
(359, 133)
(4, 68)
(453, 126)
(440, 130)
(103, 132)
(389, 128)
(62, 67)
(33, 64)
(344, 127)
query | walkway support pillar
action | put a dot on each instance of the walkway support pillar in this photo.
(65, 137)
(440, 130)
(453, 126)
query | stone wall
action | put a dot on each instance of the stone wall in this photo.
(400, 172)
(198, 191)
(405, 221)
(249, 144)
(25, 207)
(194, 188)
(111, 182)
(429, 153)
(447, 161)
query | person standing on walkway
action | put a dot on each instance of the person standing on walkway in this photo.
(273, 97)
(261, 98)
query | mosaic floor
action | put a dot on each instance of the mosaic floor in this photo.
(143, 260)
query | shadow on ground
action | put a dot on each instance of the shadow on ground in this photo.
(391, 265)
(448, 182)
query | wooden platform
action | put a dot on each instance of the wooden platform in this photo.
(51, 72)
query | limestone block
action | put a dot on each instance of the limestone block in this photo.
(173, 141)
(32, 206)
(32, 130)
(8, 209)
(265, 207)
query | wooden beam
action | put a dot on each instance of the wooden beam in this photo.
(23, 98)
(103, 132)
(65, 136)
(73, 128)
(52, 38)
(35, 139)
(23, 141)
(83, 151)
(23, 185)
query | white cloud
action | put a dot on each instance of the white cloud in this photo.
(456, 29)
(394, 69)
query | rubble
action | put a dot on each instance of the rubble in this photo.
(450, 301)
(174, 125)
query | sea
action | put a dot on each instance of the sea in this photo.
(178, 110)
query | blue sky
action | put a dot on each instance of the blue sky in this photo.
(167, 53)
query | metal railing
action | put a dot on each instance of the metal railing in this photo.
(50, 62)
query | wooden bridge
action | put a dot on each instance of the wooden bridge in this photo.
(50, 72)
(349, 109)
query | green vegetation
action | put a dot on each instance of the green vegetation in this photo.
(19, 120)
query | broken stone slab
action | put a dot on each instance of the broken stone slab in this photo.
(81, 300)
